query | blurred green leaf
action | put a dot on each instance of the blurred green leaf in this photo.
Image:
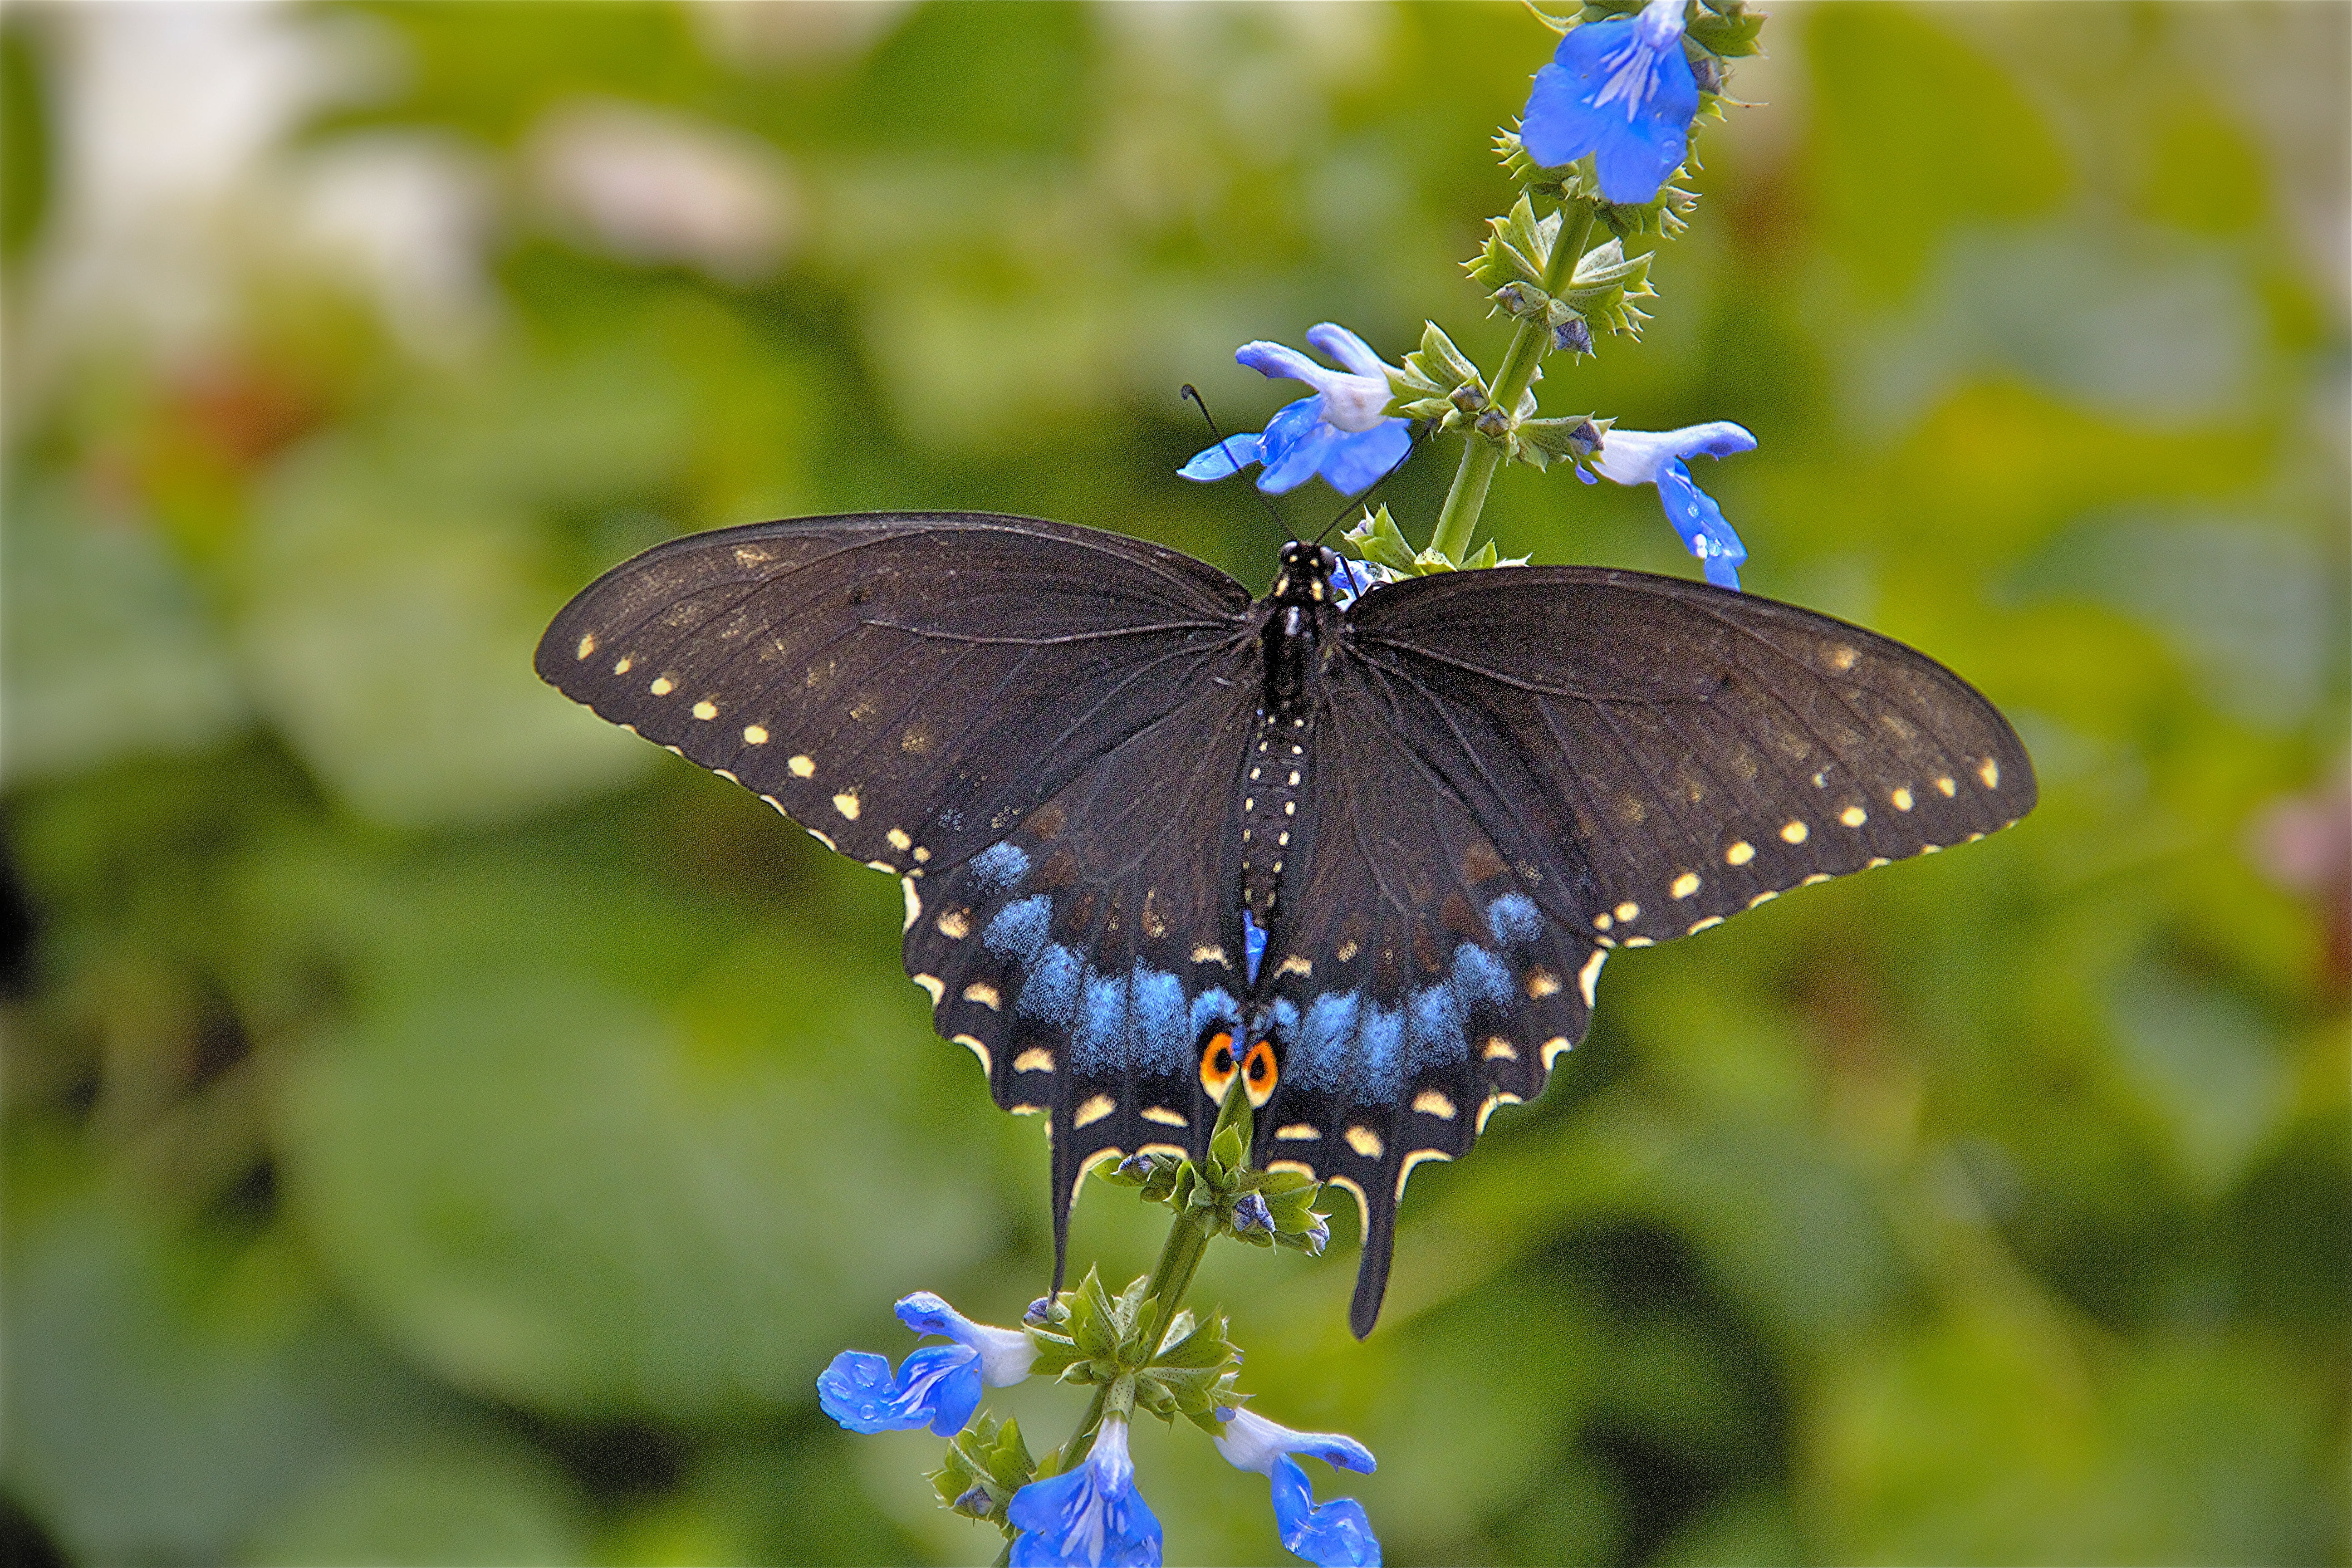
(455, 1503)
(167, 1391)
(107, 649)
(548, 1190)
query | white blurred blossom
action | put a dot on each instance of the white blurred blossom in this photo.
(652, 186)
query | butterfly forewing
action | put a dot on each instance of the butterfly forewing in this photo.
(907, 686)
(1701, 750)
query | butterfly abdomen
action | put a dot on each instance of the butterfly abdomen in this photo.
(1272, 787)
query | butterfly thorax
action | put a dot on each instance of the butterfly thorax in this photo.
(1299, 611)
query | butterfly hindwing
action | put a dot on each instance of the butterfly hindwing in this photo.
(1086, 956)
(1411, 982)
(1701, 750)
(905, 685)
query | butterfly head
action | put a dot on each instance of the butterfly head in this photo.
(1305, 577)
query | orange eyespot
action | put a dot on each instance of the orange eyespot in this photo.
(1217, 1066)
(1259, 1072)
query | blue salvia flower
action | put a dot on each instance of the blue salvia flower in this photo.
(1092, 1515)
(936, 1386)
(1621, 90)
(1333, 1534)
(1657, 457)
(1341, 432)
(1253, 944)
(1354, 579)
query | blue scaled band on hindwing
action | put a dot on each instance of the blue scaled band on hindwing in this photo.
(1411, 981)
(1086, 957)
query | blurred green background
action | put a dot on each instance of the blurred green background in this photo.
(443, 1129)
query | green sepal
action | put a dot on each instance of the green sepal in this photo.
(1135, 1316)
(1526, 302)
(1727, 29)
(1664, 214)
(1518, 248)
(1377, 539)
(1156, 1182)
(1607, 281)
(1424, 387)
(1229, 1140)
(1543, 442)
(1094, 1325)
(989, 1455)
(1054, 1353)
(1193, 1374)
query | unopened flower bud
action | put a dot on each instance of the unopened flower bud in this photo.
(1573, 336)
(975, 1502)
(1495, 422)
(1250, 1213)
(1040, 1312)
(1468, 398)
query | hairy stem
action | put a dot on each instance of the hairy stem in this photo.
(1458, 521)
(1180, 1259)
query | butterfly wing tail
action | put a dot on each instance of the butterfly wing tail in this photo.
(1372, 1272)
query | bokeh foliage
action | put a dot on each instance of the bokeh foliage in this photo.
(441, 1129)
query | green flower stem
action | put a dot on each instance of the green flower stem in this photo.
(1180, 1259)
(1458, 520)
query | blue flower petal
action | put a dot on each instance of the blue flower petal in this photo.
(1644, 152)
(858, 1391)
(1222, 461)
(1623, 91)
(1353, 464)
(1700, 521)
(1092, 1515)
(1561, 124)
(1293, 445)
(1253, 944)
(936, 1387)
(1337, 1534)
(1341, 432)
(1351, 581)
(1280, 362)
(1301, 462)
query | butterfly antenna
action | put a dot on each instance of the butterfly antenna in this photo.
(1273, 510)
(1365, 500)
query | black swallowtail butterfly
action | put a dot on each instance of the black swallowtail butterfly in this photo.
(1105, 771)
